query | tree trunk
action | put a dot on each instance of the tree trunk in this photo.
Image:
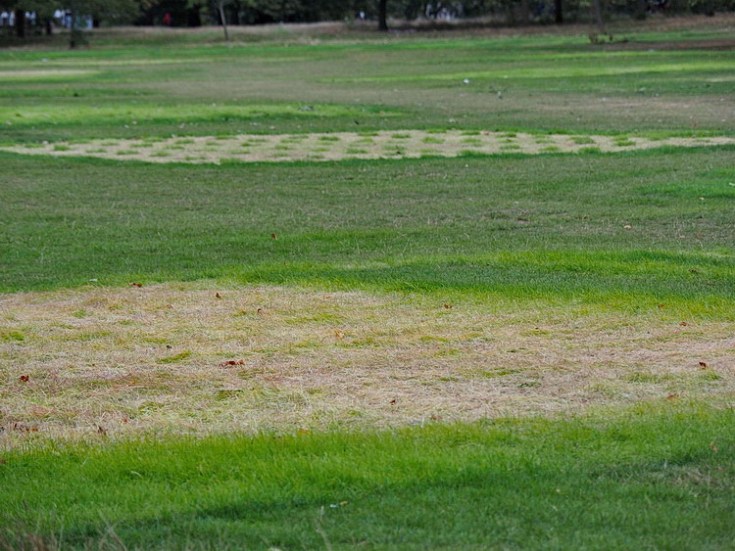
(640, 10)
(193, 16)
(72, 31)
(597, 8)
(221, 6)
(20, 23)
(383, 15)
(235, 12)
(525, 15)
(558, 12)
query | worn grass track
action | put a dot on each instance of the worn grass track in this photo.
(204, 358)
(337, 146)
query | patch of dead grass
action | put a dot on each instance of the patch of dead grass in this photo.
(349, 145)
(200, 358)
(30, 74)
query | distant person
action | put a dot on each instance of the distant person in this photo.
(167, 19)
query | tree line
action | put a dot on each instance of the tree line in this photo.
(253, 12)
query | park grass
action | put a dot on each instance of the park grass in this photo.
(560, 259)
(655, 476)
(650, 226)
(206, 357)
(540, 85)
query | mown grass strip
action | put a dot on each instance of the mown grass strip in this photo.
(657, 476)
(642, 225)
(159, 89)
(587, 71)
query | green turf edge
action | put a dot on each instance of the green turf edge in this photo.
(659, 475)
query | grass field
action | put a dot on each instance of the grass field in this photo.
(333, 289)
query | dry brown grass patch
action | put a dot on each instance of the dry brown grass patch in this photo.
(349, 145)
(204, 358)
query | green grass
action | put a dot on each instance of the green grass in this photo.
(635, 232)
(658, 477)
(649, 226)
(164, 89)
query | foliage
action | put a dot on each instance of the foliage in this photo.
(191, 12)
(107, 10)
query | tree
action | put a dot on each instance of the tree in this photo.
(383, 15)
(44, 9)
(100, 10)
(597, 9)
(220, 6)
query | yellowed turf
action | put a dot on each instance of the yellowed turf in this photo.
(32, 74)
(202, 358)
(348, 145)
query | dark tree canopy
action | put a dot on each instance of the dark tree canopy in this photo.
(380, 12)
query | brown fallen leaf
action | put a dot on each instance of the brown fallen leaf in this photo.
(20, 427)
(339, 334)
(683, 323)
(24, 378)
(274, 236)
(229, 363)
(218, 295)
(136, 284)
(448, 306)
(702, 365)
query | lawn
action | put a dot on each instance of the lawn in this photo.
(460, 291)
(654, 479)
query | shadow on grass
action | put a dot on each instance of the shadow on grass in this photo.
(656, 478)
